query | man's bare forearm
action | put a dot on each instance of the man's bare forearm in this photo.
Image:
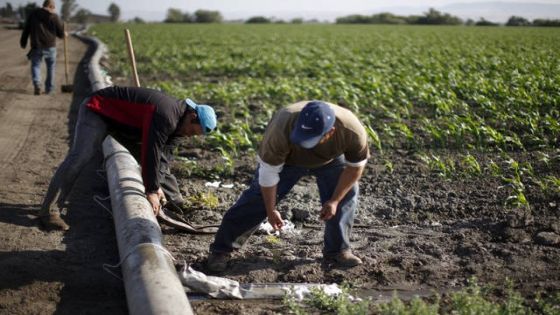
(269, 197)
(349, 176)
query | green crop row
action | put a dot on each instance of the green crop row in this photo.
(413, 86)
(423, 89)
(473, 299)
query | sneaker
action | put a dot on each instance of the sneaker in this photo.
(217, 262)
(53, 222)
(344, 258)
(37, 91)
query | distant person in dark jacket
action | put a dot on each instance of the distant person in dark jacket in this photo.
(144, 115)
(42, 27)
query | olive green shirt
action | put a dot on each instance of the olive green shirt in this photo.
(349, 139)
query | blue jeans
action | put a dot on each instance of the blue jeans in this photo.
(36, 55)
(89, 133)
(246, 215)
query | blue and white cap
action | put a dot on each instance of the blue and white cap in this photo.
(206, 115)
(314, 121)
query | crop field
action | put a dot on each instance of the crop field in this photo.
(464, 130)
(433, 90)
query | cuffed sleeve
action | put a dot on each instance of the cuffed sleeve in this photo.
(269, 175)
(357, 164)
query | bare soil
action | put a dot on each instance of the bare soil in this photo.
(415, 231)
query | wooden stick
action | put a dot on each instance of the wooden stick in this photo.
(65, 53)
(132, 59)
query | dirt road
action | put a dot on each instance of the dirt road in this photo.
(46, 273)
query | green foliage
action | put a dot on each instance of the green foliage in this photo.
(207, 16)
(389, 167)
(410, 88)
(114, 11)
(174, 16)
(415, 307)
(517, 198)
(432, 17)
(414, 88)
(341, 304)
(470, 165)
(444, 167)
(273, 240)
(67, 9)
(517, 21)
(550, 305)
(374, 137)
(205, 200)
(472, 300)
(189, 168)
(546, 22)
(258, 20)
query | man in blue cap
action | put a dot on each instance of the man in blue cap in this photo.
(307, 138)
(143, 115)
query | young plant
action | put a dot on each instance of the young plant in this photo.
(470, 165)
(205, 200)
(342, 303)
(375, 138)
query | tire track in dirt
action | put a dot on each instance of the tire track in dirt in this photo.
(16, 110)
(14, 131)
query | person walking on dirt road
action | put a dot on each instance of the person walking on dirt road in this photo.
(306, 138)
(146, 115)
(42, 27)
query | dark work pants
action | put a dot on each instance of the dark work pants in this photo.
(246, 215)
(89, 133)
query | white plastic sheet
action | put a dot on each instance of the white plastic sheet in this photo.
(216, 287)
(288, 229)
(223, 288)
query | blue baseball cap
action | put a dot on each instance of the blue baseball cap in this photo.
(206, 115)
(314, 121)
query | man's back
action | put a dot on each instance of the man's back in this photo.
(42, 27)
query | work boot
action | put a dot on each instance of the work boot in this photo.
(53, 221)
(37, 91)
(344, 258)
(217, 262)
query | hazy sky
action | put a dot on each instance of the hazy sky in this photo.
(236, 9)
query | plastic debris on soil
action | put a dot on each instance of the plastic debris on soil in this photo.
(215, 287)
(215, 184)
(288, 229)
(218, 184)
(223, 288)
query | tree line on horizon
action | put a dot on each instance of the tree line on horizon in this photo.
(435, 17)
(70, 11)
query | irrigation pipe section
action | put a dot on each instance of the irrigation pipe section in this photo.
(151, 282)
